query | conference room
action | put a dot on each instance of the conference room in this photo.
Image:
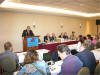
(49, 37)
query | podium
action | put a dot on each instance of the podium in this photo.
(30, 42)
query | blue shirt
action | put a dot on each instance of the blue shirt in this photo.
(40, 65)
(71, 65)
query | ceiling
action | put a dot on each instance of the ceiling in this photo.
(87, 6)
(84, 6)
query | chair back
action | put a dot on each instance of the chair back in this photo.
(84, 71)
(97, 70)
(98, 45)
(9, 65)
(91, 47)
(47, 56)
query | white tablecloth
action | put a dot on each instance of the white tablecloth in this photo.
(72, 47)
(56, 68)
(96, 53)
(21, 55)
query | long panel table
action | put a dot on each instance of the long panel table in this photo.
(52, 46)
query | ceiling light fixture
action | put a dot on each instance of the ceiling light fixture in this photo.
(7, 4)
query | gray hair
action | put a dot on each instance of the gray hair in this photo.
(63, 48)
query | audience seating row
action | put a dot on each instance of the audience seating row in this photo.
(86, 71)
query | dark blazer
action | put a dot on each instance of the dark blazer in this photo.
(25, 33)
(55, 56)
(46, 38)
(88, 60)
(60, 36)
(65, 37)
(53, 38)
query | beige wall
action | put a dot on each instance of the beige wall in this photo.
(12, 25)
(91, 27)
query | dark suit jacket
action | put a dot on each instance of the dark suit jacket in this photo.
(60, 36)
(53, 38)
(25, 33)
(65, 37)
(88, 60)
(55, 56)
(46, 38)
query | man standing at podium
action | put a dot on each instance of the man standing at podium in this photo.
(27, 32)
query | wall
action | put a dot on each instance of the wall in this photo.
(91, 27)
(12, 25)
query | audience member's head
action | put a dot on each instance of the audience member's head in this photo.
(31, 57)
(53, 34)
(98, 45)
(88, 37)
(65, 33)
(80, 38)
(89, 40)
(63, 51)
(83, 47)
(62, 34)
(8, 46)
(84, 38)
(28, 28)
(73, 32)
(95, 37)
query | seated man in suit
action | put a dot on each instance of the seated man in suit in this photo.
(87, 58)
(47, 38)
(72, 36)
(71, 64)
(61, 35)
(53, 37)
(27, 32)
(8, 53)
(65, 36)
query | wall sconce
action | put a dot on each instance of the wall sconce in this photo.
(80, 25)
(61, 25)
(34, 25)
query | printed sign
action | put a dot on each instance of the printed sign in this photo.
(32, 41)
